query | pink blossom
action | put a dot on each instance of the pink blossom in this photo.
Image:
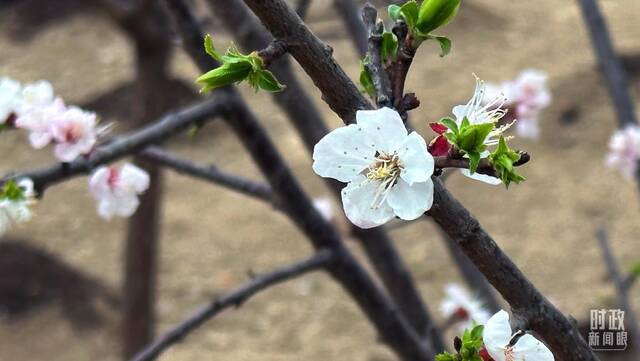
(74, 132)
(624, 150)
(37, 120)
(117, 190)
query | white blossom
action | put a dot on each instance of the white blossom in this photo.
(38, 106)
(13, 211)
(462, 306)
(624, 150)
(74, 132)
(117, 190)
(485, 106)
(387, 171)
(10, 98)
(497, 337)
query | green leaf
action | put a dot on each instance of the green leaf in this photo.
(451, 124)
(471, 137)
(474, 160)
(389, 46)
(365, 80)
(3, 127)
(409, 12)
(210, 49)
(445, 44)
(445, 356)
(436, 13)
(268, 82)
(394, 12)
(226, 74)
(476, 332)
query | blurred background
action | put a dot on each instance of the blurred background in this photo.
(61, 273)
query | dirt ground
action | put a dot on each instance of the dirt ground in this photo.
(211, 237)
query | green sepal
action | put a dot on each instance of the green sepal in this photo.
(394, 12)
(445, 44)
(471, 137)
(268, 82)
(365, 79)
(210, 49)
(445, 356)
(11, 191)
(226, 74)
(451, 124)
(389, 46)
(474, 160)
(502, 160)
(434, 14)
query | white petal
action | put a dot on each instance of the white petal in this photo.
(67, 152)
(127, 205)
(106, 208)
(411, 201)
(99, 182)
(530, 348)
(460, 111)
(134, 177)
(39, 140)
(384, 128)
(416, 159)
(357, 198)
(343, 153)
(481, 177)
(497, 334)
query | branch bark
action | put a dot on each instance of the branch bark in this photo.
(235, 298)
(308, 122)
(374, 51)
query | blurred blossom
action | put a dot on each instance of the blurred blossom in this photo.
(74, 132)
(387, 171)
(325, 207)
(10, 98)
(117, 190)
(37, 121)
(526, 96)
(462, 307)
(624, 150)
(16, 210)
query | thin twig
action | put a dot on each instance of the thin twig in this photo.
(622, 292)
(235, 298)
(350, 13)
(213, 174)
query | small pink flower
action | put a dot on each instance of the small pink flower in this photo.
(75, 133)
(37, 120)
(624, 150)
(117, 190)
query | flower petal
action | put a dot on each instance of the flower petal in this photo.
(411, 201)
(481, 177)
(343, 153)
(357, 198)
(416, 159)
(497, 334)
(530, 348)
(134, 177)
(384, 128)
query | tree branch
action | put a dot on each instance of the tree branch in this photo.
(614, 74)
(235, 298)
(374, 65)
(213, 174)
(302, 8)
(484, 167)
(154, 133)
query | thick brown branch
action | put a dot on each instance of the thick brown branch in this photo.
(235, 298)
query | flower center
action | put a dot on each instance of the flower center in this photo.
(508, 353)
(386, 169)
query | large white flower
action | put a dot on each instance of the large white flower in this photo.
(497, 337)
(10, 98)
(74, 132)
(13, 211)
(462, 307)
(624, 150)
(387, 171)
(117, 190)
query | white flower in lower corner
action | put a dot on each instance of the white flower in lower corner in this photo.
(10, 98)
(497, 336)
(74, 132)
(624, 150)
(117, 190)
(462, 307)
(16, 210)
(387, 171)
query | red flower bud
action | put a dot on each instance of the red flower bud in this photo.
(439, 146)
(438, 128)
